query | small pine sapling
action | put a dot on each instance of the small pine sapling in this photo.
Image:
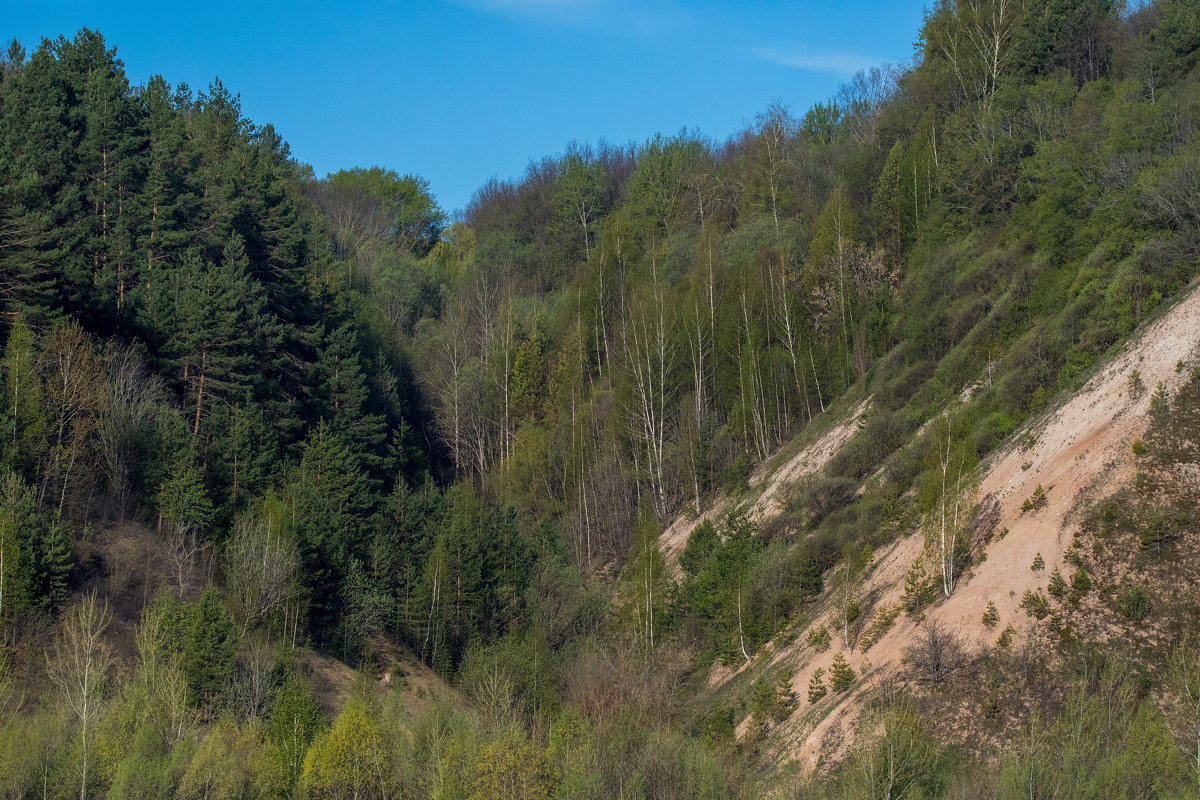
(1035, 604)
(1134, 603)
(991, 615)
(1038, 564)
(1004, 641)
(841, 674)
(1081, 583)
(1036, 501)
(816, 685)
(819, 639)
(1058, 585)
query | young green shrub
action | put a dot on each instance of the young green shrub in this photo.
(1035, 604)
(1135, 384)
(1036, 501)
(1135, 603)
(1139, 448)
(1038, 564)
(881, 623)
(1004, 640)
(1160, 402)
(920, 588)
(819, 639)
(1081, 583)
(1058, 585)
(841, 674)
(816, 685)
(991, 615)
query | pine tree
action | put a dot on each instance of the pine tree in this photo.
(209, 650)
(24, 434)
(37, 195)
(1057, 587)
(841, 674)
(15, 558)
(333, 499)
(1081, 582)
(224, 335)
(345, 397)
(816, 685)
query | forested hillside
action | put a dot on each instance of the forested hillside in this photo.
(309, 490)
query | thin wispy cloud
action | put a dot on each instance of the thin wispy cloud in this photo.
(814, 60)
(638, 16)
(535, 10)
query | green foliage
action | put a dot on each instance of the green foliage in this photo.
(920, 588)
(1081, 583)
(1035, 501)
(25, 422)
(991, 220)
(1035, 604)
(816, 685)
(772, 700)
(402, 207)
(208, 650)
(295, 721)
(36, 555)
(183, 501)
(1057, 588)
(1004, 640)
(841, 674)
(1039, 563)
(819, 639)
(701, 543)
(1135, 603)
(991, 615)
(882, 621)
(348, 760)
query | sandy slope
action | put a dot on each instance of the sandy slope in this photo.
(1082, 450)
(769, 484)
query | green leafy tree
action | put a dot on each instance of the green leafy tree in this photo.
(295, 721)
(348, 760)
(402, 208)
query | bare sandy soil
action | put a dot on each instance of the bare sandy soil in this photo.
(1081, 451)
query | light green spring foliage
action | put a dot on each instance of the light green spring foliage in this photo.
(348, 760)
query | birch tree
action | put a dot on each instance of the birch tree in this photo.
(78, 665)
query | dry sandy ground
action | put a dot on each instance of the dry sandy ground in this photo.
(1080, 451)
(769, 484)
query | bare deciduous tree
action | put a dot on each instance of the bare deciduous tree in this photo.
(935, 653)
(78, 665)
(261, 568)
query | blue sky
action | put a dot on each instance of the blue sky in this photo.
(462, 90)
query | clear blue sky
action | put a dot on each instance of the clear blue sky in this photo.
(462, 91)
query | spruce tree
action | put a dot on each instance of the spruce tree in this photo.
(816, 685)
(841, 674)
(209, 650)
